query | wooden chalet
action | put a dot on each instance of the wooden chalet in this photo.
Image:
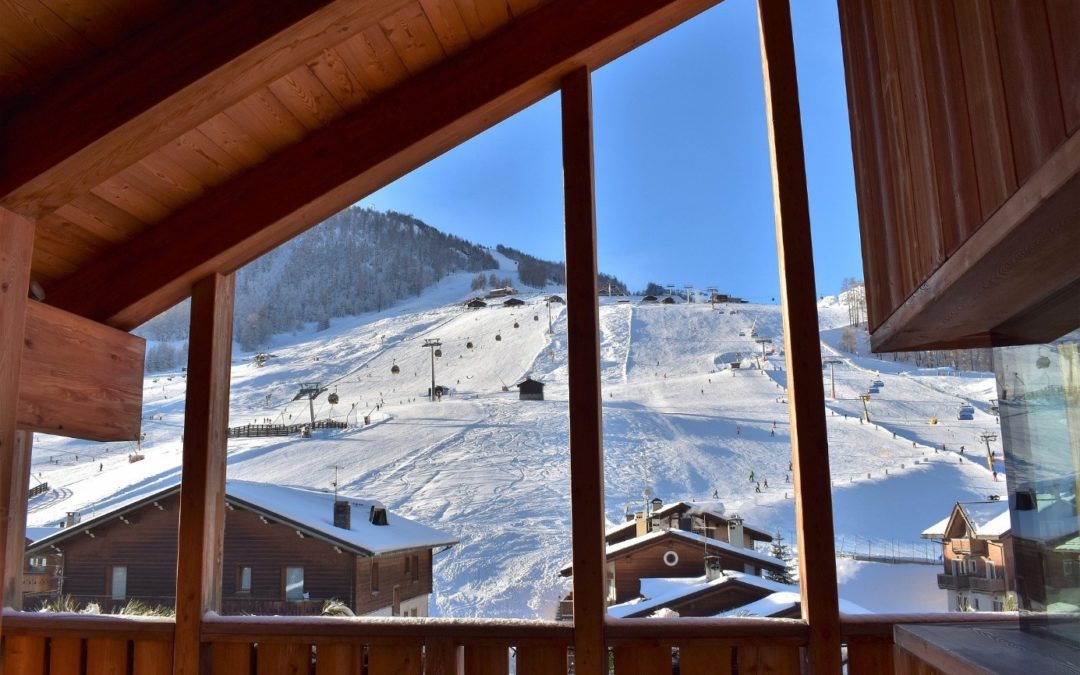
(476, 303)
(707, 595)
(149, 149)
(286, 551)
(530, 390)
(701, 517)
(513, 302)
(557, 299)
(649, 299)
(977, 553)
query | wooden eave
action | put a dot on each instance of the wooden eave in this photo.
(146, 165)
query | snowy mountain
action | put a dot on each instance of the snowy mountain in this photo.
(493, 470)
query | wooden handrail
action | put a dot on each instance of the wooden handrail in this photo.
(881, 625)
(217, 628)
(740, 629)
(61, 624)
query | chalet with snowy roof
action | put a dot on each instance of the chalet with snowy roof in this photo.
(977, 554)
(664, 544)
(649, 299)
(287, 550)
(513, 302)
(530, 390)
(669, 300)
(714, 593)
(501, 292)
(476, 303)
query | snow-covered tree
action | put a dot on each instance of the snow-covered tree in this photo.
(781, 551)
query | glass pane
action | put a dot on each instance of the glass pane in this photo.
(119, 583)
(294, 583)
(1039, 399)
(245, 579)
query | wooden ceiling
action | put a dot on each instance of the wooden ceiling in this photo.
(154, 142)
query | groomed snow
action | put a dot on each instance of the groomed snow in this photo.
(493, 471)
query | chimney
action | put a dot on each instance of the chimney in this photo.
(735, 531)
(377, 515)
(642, 523)
(72, 518)
(713, 568)
(342, 514)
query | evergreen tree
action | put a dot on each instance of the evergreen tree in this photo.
(781, 551)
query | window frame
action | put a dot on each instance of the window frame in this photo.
(285, 583)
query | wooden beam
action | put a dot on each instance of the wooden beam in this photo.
(202, 487)
(80, 378)
(586, 417)
(1022, 256)
(802, 346)
(154, 86)
(15, 535)
(361, 152)
(16, 247)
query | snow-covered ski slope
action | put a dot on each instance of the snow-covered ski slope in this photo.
(493, 470)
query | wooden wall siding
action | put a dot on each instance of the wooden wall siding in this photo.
(953, 105)
(647, 562)
(391, 573)
(79, 378)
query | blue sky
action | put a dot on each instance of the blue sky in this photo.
(682, 173)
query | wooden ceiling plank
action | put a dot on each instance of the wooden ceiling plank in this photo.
(268, 120)
(307, 99)
(413, 38)
(58, 234)
(202, 158)
(138, 96)
(42, 40)
(338, 79)
(89, 215)
(305, 183)
(470, 15)
(49, 268)
(233, 140)
(158, 169)
(377, 65)
(121, 192)
(521, 7)
(494, 14)
(448, 25)
(92, 20)
(13, 73)
(1064, 17)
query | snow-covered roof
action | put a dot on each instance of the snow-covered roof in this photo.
(310, 511)
(988, 519)
(937, 530)
(783, 601)
(712, 508)
(36, 533)
(314, 510)
(664, 591)
(699, 539)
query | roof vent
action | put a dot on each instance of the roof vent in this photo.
(378, 515)
(73, 518)
(342, 514)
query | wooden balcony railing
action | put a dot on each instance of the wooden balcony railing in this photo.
(987, 585)
(953, 581)
(39, 643)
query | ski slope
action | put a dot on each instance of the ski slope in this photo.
(493, 471)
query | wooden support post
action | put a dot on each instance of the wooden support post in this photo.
(16, 247)
(806, 407)
(202, 492)
(15, 534)
(583, 337)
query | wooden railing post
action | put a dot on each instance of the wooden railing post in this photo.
(583, 337)
(16, 247)
(202, 492)
(806, 407)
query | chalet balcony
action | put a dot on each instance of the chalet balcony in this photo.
(960, 545)
(987, 585)
(953, 582)
(42, 642)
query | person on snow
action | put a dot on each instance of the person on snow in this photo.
(757, 487)
(751, 476)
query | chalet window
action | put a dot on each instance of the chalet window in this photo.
(991, 570)
(294, 583)
(118, 582)
(243, 580)
(38, 561)
(374, 577)
(972, 565)
(416, 568)
(999, 606)
(408, 565)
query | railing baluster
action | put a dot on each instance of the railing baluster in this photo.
(394, 658)
(642, 659)
(337, 658)
(870, 656)
(106, 656)
(230, 658)
(705, 657)
(153, 657)
(440, 657)
(542, 660)
(24, 655)
(773, 660)
(282, 659)
(487, 660)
